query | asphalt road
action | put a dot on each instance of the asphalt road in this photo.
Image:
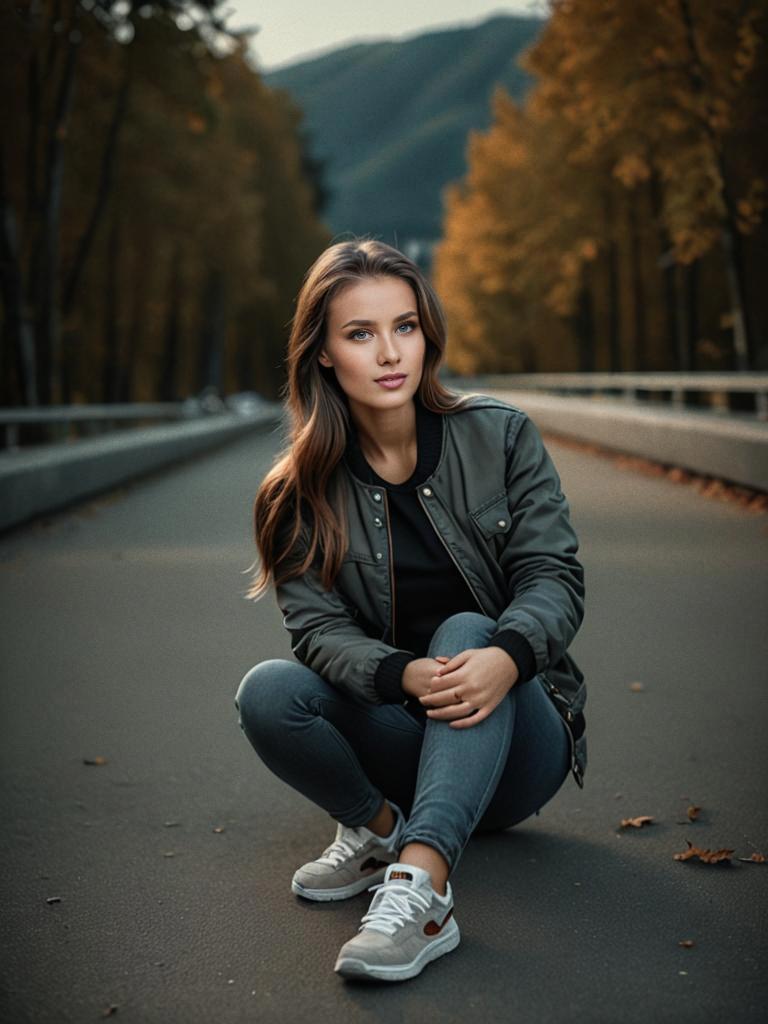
(124, 635)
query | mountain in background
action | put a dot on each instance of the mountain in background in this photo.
(390, 120)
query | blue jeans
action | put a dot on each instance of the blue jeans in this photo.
(346, 756)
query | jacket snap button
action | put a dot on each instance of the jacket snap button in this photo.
(379, 554)
(502, 522)
(377, 521)
(377, 496)
(427, 491)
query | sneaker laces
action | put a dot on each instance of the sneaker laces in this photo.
(342, 848)
(393, 906)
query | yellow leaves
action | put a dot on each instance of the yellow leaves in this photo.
(196, 124)
(749, 209)
(589, 249)
(749, 40)
(632, 169)
(755, 858)
(643, 819)
(691, 243)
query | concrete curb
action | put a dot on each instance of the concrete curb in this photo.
(727, 447)
(50, 477)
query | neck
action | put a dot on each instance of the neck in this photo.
(385, 433)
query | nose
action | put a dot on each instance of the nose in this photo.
(388, 351)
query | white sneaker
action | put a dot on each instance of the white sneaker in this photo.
(355, 860)
(407, 926)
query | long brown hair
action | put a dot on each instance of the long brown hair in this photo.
(303, 490)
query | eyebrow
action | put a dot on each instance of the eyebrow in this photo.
(369, 323)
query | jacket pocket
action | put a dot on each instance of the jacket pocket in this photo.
(359, 556)
(492, 517)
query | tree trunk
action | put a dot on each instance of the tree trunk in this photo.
(111, 366)
(166, 388)
(46, 258)
(666, 263)
(730, 239)
(614, 340)
(638, 358)
(212, 332)
(584, 326)
(105, 185)
(18, 342)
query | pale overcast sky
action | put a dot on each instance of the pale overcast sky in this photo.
(296, 29)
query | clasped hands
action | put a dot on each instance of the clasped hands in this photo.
(481, 676)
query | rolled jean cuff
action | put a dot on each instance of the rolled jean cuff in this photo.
(428, 841)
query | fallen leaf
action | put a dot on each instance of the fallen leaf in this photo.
(170, 824)
(756, 858)
(686, 943)
(168, 853)
(53, 899)
(636, 687)
(95, 760)
(707, 856)
(693, 812)
(218, 828)
(110, 1010)
(644, 819)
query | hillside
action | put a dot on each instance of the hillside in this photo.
(390, 119)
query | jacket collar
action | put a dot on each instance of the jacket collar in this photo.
(429, 442)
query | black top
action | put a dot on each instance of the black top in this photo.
(428, 585)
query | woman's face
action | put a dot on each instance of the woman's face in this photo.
(373, 330)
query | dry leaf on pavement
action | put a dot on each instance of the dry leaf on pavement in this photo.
(706, 856)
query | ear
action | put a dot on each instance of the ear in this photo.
(323, 358)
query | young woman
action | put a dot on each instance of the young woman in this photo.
(422, 555)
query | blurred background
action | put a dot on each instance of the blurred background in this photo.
(583, 180)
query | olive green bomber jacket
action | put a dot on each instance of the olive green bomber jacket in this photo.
(495, 500)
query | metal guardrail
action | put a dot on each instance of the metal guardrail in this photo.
(718, 386)
(99, 418)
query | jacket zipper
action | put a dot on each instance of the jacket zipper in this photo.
(464, 575)
(391, 567)
(567, 715)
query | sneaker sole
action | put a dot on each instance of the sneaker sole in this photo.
(355, 967)
(341, 893)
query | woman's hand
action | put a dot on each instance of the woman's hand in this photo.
(418, 675)
(481, 676)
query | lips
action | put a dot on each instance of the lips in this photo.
(392, 376)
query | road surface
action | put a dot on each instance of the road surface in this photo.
(125, 634)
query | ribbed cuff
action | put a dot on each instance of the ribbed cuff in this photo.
(389, 677)
(518, 648)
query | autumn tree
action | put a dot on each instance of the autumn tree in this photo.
(642, 136)
(143, 220)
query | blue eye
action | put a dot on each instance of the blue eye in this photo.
(362, 330)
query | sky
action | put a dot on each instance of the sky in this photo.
(292, 30)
